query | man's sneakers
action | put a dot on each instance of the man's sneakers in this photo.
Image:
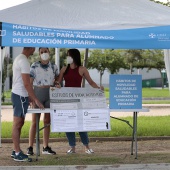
(21, 157)
(13, 154)
(30, 151)
(48, 150)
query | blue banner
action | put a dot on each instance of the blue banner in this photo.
(125, 92)
(140, 38)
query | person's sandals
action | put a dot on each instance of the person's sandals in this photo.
(89, 151)
(70, 151)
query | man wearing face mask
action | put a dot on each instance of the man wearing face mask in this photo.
(42, 75)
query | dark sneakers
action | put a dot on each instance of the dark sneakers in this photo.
(13, 154)
(22, 157)
(30, 151)
(48, 150)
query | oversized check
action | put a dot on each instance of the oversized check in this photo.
(78, 110)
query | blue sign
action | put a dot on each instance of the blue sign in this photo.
(125, 92)
(31, 36)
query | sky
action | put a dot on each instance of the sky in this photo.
(9, 3)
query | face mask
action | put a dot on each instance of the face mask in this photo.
(69, 60)
(45, 56)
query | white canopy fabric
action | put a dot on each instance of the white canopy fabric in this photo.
(87, 24)
(105, 23)
(88, 14)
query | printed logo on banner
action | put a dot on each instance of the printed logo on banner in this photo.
(2, 32)
(125, 92)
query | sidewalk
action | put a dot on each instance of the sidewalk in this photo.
(94, 167)
(109, 155)
(154, 110)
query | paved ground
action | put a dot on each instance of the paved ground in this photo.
(154, 110)
(152, 154)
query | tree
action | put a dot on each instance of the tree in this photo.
(62, 55)
(107, 59)
(35, 57)
(5, 73)
(155, 59)
(132, 58)
(164, 3)
(115, 61)
(97, 60)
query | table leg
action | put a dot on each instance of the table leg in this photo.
(135, 134)
(37, 138)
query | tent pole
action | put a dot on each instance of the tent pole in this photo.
(167, 65)
(57, 57)
(1, 64)
(85, 64)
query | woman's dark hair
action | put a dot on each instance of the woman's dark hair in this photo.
(75, 54)
(42, 47)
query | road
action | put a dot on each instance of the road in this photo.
(154, 110)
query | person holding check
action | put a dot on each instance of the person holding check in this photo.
(72, 74)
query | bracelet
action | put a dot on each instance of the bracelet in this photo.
(57, 83)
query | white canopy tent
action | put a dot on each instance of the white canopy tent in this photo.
(135, 24)
(95, 23)
(89, 14)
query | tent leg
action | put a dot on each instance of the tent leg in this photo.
(167, 64)
(57, 57)
(85, 64)
(1, 64)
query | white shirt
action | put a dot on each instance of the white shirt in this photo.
(21, 66)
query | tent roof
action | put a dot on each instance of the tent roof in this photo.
(88, 14)
(86, 24)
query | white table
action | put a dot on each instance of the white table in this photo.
(134, 127)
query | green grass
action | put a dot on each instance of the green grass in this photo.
(146, 93)
(156, 102)
(149, 92)
(147, 126)
(7, 94)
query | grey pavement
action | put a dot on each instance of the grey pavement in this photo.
(93, 167)
(154, 110)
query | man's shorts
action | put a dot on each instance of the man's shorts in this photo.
(20, 105)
